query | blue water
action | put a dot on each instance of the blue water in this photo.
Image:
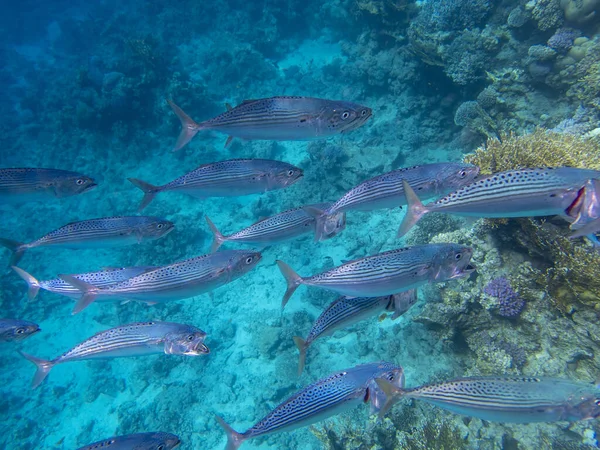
(85, 87)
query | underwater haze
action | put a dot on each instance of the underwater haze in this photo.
(503, 85)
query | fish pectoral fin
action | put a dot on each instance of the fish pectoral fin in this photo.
(228, 106)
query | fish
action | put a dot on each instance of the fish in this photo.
(38, 184)
(278, 119)
(387, 273)
(230, 178)
(515, 193)
(15, 330)
(509, 399)
(95, 233)
(175, 281)
(100, 278)
(280, 227)
(347, 311)
(138, 441)
(387, 190)
(134, 339)
(585, 211)
(326, 397)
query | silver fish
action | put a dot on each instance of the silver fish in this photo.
(95, 233)
(138, 441)
(347, 311)
(280, 227)
(35, 184)
(12, 330)
(514, 193)
(175, 281)
(134, 339)
(279, 119)
(229, 178)
(324, 398)
(585, 211)
(100, 278)
(387, 273)
(506, 399)
(387, 190)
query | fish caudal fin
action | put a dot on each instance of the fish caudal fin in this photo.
(218, 238)
(392, 394)
(149, 190)
(43, 369)
(302, 347)
(414, 211)
(320, 217)
(189, 128)
(293, 281)
(32, 283)
(89, 292)
(234, 439)
(18, 248)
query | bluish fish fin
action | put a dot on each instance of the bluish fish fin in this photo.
(234, 439)
(320, 220)
(43, 368)
(587, 229)
(414, 211)
(32, 283)
(218, 238)
(293, 281)
(189, 128)
(228, 106)
(149, 190)
(392, 393)
(89, 292)
(302, 347)
(18, 248)
(403, 301)
(228, 141)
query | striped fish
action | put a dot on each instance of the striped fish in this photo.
(278, 119)
(515, 193)
(35, 184)
(347, 311)
(507, 399)
(229, 178)
(134, 339)
(324, 398)
(12, 330)
(585, 211)
(95, 233)
(387, 190)
(175, 281)
(387, 273)
(138, 441)
(101, 278)
(280, 227)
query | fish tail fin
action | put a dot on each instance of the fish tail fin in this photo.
(90, 292)
(32, 284)
(43, 368)
(149, 190)
(234, 439)
(392, 394)
(320, 217)
(218, 238)
(302, 347)
(18, 248)
(414, 211)
(189, 128)
(293, 281)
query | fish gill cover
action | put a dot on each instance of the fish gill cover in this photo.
(85, 89)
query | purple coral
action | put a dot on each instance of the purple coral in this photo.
(510, 304)
(563, 39)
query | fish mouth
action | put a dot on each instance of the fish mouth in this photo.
(90, 187)
(466, 271)
(201, 349)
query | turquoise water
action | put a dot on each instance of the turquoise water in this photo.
(85, 90)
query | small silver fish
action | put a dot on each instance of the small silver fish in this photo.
(138, 441)
(231, 178)
(183, 279)
(36, 184)
(14, 330)
(324, 398)
(95, 233)
(280, 227)
(347, 311)
(387, 273)
(278, 119)
(134, 339)
(506, 399)
(100, 278)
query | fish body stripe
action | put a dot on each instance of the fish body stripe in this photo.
(288, 220)
(105, 344)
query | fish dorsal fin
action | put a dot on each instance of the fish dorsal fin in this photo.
(228, 141)
(228, 106)
(250, 100)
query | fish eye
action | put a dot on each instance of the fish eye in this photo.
(160, 447)
(290, 173)
(20, 330)
(79, 181)
(190, 337)
(463, 173)
(249, 259)
(458, 256)
(363, 112)
(160, 225)
(345, 115)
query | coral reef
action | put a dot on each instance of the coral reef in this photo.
(510, 304)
